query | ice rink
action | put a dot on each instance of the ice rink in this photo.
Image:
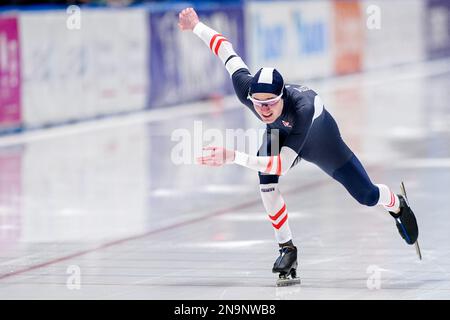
(104, 201)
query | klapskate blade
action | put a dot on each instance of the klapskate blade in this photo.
(419, 253)
(288, 282)
(416, 244)
(403, 190)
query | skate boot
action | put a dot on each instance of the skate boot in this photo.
(286, 265)
(406, 222)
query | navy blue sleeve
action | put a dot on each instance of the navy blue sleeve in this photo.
(241, 83)
(303, 121)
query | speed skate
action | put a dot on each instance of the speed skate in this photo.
(286, 266)
(288, 279)
(416, 243)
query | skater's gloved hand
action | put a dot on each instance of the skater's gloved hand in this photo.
(217, 157)
(187, 19)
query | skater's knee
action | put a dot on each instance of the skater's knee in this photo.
(354, 178)
(267, 178)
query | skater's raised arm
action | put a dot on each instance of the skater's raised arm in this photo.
(219, 44)
(221, 47)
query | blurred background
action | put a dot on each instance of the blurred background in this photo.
(92, 91)
(76, 2)
(66, 61)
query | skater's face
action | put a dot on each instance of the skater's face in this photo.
(267, 105)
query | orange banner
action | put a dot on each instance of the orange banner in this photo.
(348, 36)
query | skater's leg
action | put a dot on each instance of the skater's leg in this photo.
(270, 194)
(336, 159)
(355, 179)
(329, 151)
(286, 263)
(389, 200)
(275, 208)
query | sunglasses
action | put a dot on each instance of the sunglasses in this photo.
(269, 102)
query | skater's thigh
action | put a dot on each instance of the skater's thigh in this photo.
(325, 146)
(355, 179)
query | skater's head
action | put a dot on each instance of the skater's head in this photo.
(266, 93)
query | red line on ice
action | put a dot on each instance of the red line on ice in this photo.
(155, 231)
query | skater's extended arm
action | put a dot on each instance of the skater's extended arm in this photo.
(221, 47)
(276, 165)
